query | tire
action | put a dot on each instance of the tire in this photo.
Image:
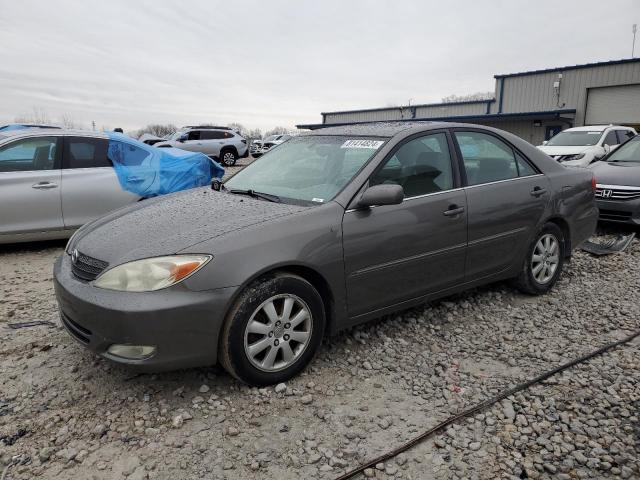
(250, 336)
(541, 281)
(228, 157)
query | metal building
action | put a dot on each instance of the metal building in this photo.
(534, 105)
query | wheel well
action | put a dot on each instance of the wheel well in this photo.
(566, 233)
(318, 282)
(227, 148)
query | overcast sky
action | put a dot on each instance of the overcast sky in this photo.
(266, 63)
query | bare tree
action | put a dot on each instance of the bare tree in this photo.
(253, 134)
(238, 127)
(38, 115)
(159, 130)
(68, 122)
(277, 131)
(469, 98)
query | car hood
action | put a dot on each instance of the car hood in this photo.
(564, 150)
(169, 224)
(617, 173)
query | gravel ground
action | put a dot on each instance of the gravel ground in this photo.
(67, 414)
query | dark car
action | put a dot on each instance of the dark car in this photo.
(618, 184)
(330, 229)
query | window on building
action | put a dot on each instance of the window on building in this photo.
(420, 166)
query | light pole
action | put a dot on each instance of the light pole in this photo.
(634, 29)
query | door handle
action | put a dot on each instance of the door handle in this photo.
(453, 211)
(44, 185)
(537, 191)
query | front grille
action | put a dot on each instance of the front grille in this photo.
(617, 193)
(617, 215)
(78, 331)
(87, 268)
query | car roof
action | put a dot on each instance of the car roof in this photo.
(43, 132)
(377, 129)
(594, 128)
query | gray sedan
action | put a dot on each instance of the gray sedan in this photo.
(52, 181)
(329, 230)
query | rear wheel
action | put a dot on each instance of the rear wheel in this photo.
(273, 330)
(228, 157)
(543, 262)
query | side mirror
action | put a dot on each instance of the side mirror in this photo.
(545, 142)
(381, 195)
(182, 138)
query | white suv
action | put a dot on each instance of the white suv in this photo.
(221, 143)
(583, 145)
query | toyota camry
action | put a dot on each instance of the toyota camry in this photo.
(330, 229)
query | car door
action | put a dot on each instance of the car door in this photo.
(90, 186)
(212, 141)
(395, 253)
(506, 197)
(193, 142)
(30, 185)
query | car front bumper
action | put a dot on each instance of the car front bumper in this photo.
(621, 211)
(181, 324)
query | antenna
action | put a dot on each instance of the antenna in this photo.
(634, 29)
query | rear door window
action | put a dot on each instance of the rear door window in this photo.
(29, 154)
(624, 135)
(486, 158)
(212, 135)
(85, 152)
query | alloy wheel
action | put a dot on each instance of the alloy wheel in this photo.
(278, 333)
(545, 258)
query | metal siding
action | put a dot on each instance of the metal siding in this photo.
(613, 105)
(535, 92)
(451, 110)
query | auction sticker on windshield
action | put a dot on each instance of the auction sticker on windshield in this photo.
(374, 144)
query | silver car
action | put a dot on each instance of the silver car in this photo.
(220, 143)
(53, 181)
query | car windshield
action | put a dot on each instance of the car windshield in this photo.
(308, 168)
(575, 139)
(177, 135)
(629, 152)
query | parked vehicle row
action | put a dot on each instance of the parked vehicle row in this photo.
(260, 147)
(330, 229)
(52, 181)
(581, 146)
(220, 143)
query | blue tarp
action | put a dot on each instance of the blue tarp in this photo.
(149, 171)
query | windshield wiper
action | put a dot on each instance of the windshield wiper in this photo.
(252, 193)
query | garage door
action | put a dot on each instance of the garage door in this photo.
(618, 105)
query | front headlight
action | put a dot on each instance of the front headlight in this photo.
(151, 273)
(575, 157)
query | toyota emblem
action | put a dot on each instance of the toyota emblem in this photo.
(74, 255)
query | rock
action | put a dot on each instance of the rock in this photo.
(204, 388)
(474, 446)
(232, 431)
(177, 421)
(369, 472)
(46, 453)
(306, 399)
(281, 387)
(314, 458)
(507, 409)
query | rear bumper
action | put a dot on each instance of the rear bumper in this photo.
(182, 325)
(620, 211)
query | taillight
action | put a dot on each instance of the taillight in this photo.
(593, 183)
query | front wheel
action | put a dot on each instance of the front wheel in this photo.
(273, 330)
(543, 262)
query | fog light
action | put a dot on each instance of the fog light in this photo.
(132, 352)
